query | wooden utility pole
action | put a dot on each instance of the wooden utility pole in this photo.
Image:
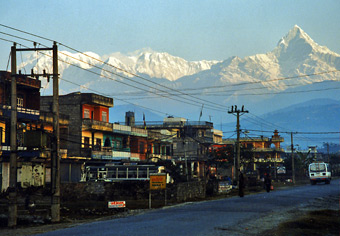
(55, 208)
(293, 165)
(12, 203)
(55, 162)
(238, 130)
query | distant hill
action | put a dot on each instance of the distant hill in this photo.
(313, 116)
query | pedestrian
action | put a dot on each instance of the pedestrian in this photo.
(267, 182)
(241, 185)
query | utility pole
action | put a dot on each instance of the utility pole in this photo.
(328, 152)
(12, 203)
(55, 206)
(55, 162)
(238, 130)
(293, 165)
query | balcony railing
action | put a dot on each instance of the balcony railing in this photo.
(97, 125)
(160, 157)
(23, 112)
(124, 129)
(92, 98)
(139, 132)
(267, 150)
(268, 160)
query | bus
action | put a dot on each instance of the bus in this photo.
(113, 173)
(319, 172)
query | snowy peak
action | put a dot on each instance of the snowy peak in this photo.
(298, 42)
(158, 64)
(295, 34)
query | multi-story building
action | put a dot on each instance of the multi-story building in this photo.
(89, 121)
(92, 136)
(260, 152)
(190, 142)
(33, 136)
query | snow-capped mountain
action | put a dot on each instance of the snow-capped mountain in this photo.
(156, 64)
(296, 54)
(143, 62)
(261, 82)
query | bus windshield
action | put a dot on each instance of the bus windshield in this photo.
(318, 167)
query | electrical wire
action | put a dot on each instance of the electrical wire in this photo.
(135, 75)
(286, 78)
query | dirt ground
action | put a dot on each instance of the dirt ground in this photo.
(320, 217)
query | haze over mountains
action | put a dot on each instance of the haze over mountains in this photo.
(263, 83)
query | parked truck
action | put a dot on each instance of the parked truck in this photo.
(320, 172)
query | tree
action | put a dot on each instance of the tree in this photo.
(305, 160)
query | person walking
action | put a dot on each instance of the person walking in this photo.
(241, 185)
(267, 182)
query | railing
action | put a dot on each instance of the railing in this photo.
(268, 160)
(267, 150)
(160, 156)
(139, 132)
(97, 125)
(124, 128)
(23, 110)
(277, 139)
(97, 99)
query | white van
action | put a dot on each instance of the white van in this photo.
(320, 172)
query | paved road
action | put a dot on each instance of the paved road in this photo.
(219, 217)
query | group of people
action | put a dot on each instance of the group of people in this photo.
(267, 181)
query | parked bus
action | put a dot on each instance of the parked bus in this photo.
(320, 172)
(111, 173)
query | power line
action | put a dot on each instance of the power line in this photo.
(165, 96)
(95, 90)
(117, 68)
(110, 79)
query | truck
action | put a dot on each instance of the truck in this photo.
(319, 172)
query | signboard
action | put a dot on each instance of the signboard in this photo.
(116, 204)
(157, 181)
(224, 187)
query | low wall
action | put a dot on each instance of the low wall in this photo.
(190, 191)
(132, 190)
(104, 191)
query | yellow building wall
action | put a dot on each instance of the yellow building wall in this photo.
(88, 134)
(3, 127)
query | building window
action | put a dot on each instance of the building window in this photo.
(20, 101)
(98, 144)
(141, 147)
(86, 142)
(86, 114)
(104, 116)
(118, 144)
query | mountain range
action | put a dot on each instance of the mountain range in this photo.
(296, 71)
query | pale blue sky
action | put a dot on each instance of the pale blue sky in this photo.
(193, 30)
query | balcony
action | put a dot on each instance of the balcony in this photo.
(267, 150)
(160, 157)
(278, 139)
(268, 160)
(107, 154)
(122, 129)
(26, 153)
(22, 114)
(89, 124)
(48, 118)
(91, 98)
(139, 132)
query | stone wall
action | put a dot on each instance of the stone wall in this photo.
(190, 191)
(132, 190)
